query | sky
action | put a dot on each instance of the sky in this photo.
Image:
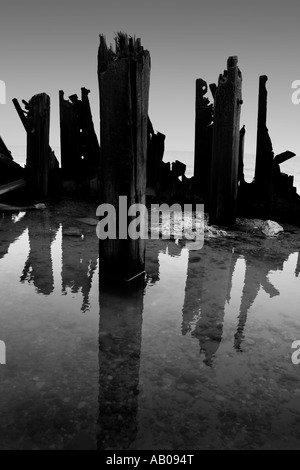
(49, 46)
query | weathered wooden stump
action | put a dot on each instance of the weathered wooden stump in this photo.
(225, 152)
(124, 78)
(37, 162)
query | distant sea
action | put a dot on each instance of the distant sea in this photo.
(291, 167)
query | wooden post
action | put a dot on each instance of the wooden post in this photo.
(202, 156)
(21, 113)
(225, 153)
(90, 142)
(124, 78)
(69, 139)
(264, 149)
(38, 127)
(241, 177)
(4, 150)
(80, 150)
(53, 162)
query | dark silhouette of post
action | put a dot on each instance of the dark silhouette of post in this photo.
(225, 152)
(124, 78)
(69, 139)
(79, 144)
(37, 162)
(202, 153)
(264, 148)
(155, 153)
(241, 178)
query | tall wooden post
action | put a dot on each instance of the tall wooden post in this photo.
(241, 177)
(264, 149)
(69, 139)
(202, 155)
(124, 78)
(38, 127)
(225, 153)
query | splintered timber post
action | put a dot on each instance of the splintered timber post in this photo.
(38, 127)
(202, 157)
(124, 79)
(225, 152)
(264, 148)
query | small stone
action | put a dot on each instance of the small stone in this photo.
(219, 398)
(271, 228)
(249, 342)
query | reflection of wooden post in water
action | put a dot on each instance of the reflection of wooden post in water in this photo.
(208, 287)
(38, 157)
(256, 276)
(124, 77)
(79, 263)
(120, 333)
(38, 267)
(12, 232)
(225, 151)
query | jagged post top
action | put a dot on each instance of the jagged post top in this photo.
(125, 47)
(229, 73)
(232, 61)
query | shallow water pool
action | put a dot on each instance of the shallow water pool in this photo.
(198, 355)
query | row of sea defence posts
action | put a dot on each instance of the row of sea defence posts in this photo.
(129, 160)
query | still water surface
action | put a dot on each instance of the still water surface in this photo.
(196, 356)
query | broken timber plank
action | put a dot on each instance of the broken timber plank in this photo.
(6, 188)
(10, 208)
(284, 156)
